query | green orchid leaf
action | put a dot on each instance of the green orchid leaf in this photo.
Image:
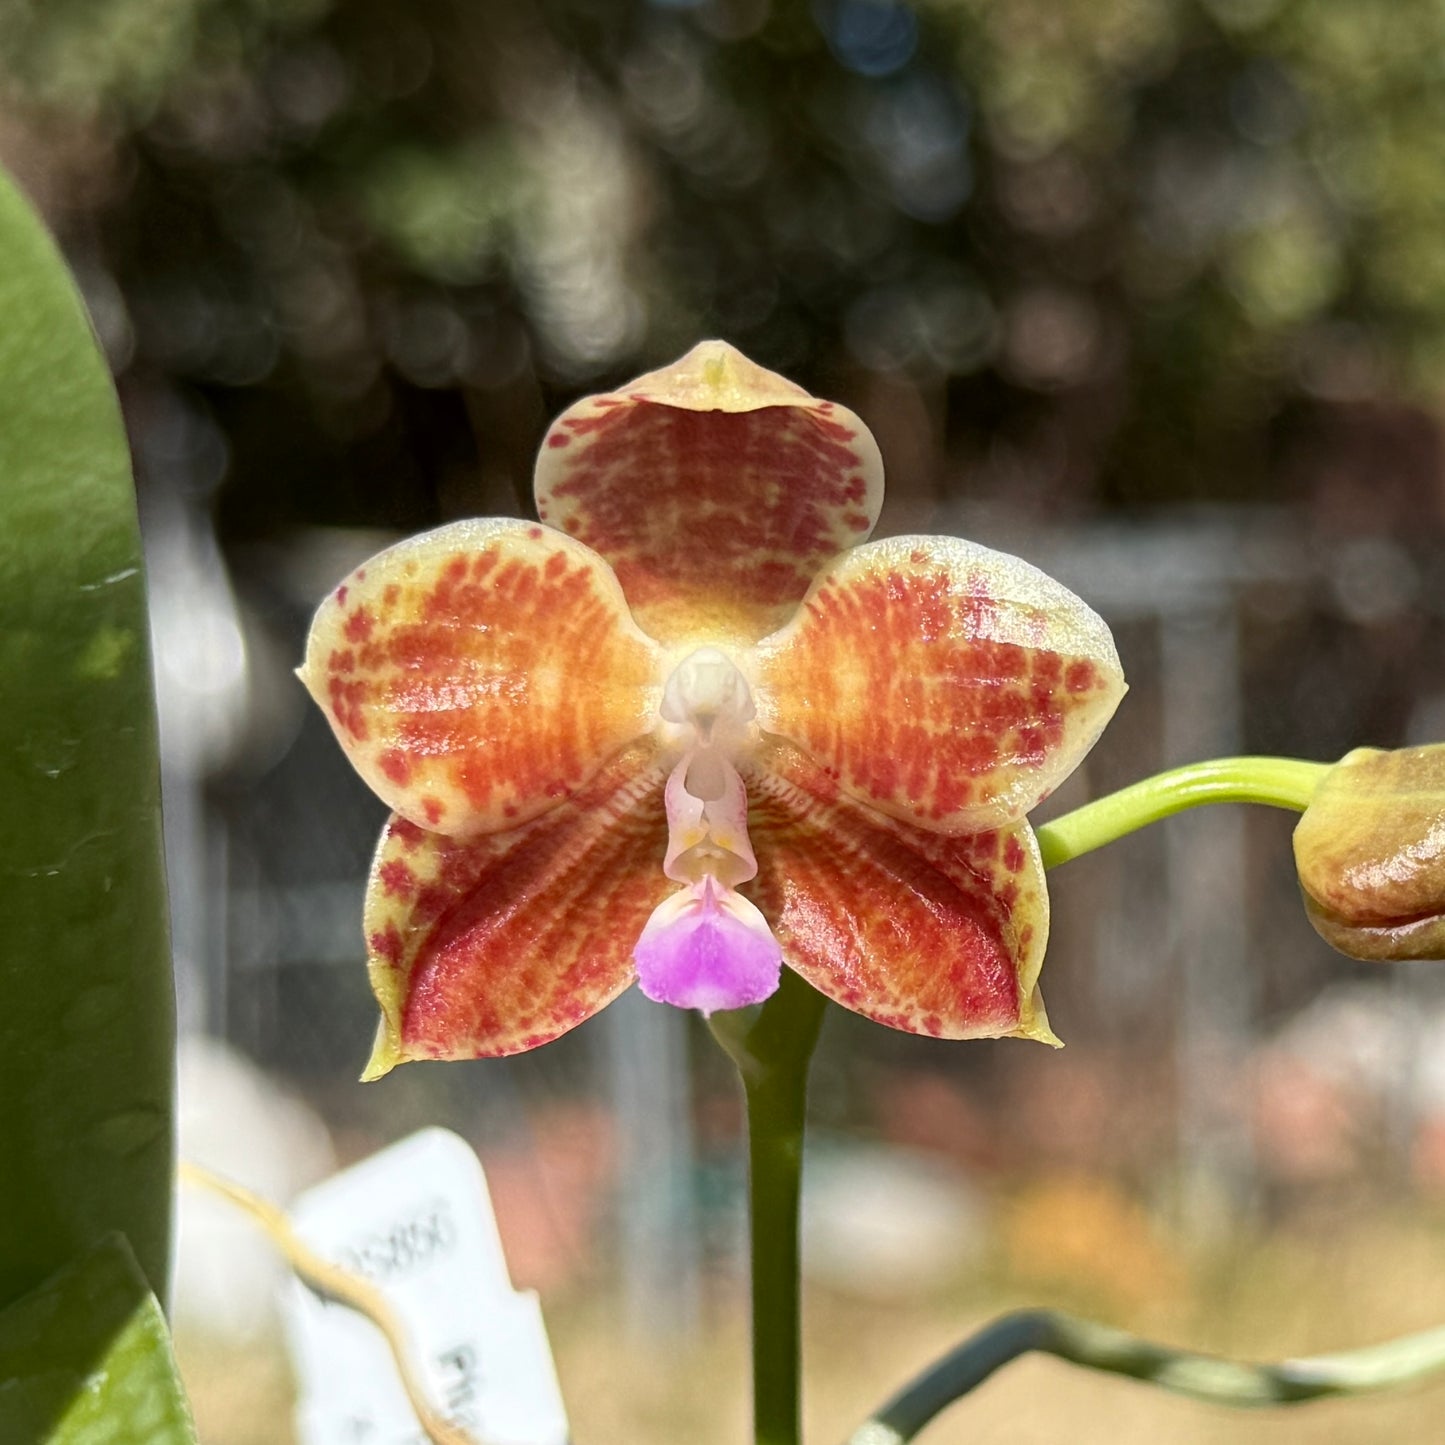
(85, 1359)
(86, 1004)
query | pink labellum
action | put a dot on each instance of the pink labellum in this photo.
(707, 948)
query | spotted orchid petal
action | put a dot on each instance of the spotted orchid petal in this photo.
(715, 488)
(707, 947)
(493, 945)
(480, 673)
(939, 681)
(919, 930)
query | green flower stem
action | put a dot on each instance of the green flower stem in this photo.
(1099, 1347)
(772, 1047)
(1276, 782)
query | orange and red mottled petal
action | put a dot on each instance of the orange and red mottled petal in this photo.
(715, 488)
(942, 682)
(493, 945)
(933, 934)
(478, 674)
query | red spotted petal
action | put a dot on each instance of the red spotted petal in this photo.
(915, 929)
(944, 683)
(478, 674)
(715, 488)
(498, 944)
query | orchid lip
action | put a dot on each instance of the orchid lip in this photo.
(707, 948)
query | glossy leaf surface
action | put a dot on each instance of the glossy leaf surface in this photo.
(85, 1359)
(86, 1011)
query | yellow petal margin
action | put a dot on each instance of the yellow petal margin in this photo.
(495, 945)
(479, 674)
(715, 488)
(942, 682)
(935, 935)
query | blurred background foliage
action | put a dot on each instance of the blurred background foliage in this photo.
(1123, 251)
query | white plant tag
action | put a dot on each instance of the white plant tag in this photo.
(416, 1220)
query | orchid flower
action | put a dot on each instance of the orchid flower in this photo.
(692, 726)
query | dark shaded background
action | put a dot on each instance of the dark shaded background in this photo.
(1122, 252)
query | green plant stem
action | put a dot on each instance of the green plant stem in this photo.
(772, 1047)
(1100, 1347)
(1276, 782)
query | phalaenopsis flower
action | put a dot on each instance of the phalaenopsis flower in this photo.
(692, 726)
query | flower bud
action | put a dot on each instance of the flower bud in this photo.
(1370, 852)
